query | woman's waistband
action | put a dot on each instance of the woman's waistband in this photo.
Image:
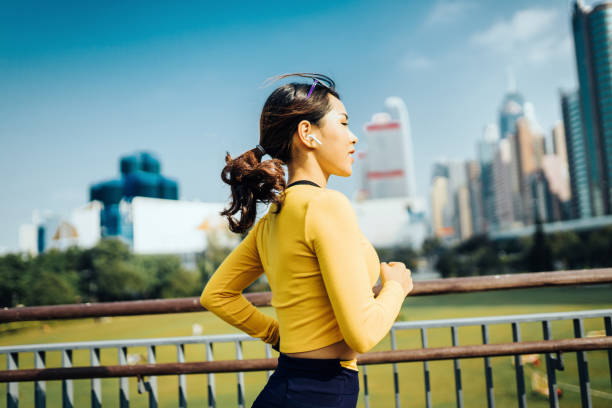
(308, 365)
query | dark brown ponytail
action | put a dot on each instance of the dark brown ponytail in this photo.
(253, 180)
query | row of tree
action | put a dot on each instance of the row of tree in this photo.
(540, 252)
(110, 272)
(106, 272)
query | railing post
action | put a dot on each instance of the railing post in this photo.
(518, 368)
(96, 385)
(212, 402)
(124, 385)
(551, 365)
(180, 349)
(40, 387)
(12, 388)
(366, 394)
(488, 370)
(426, 370)
(608, 325)
(67, 385)
(240, 375)
(152, 359)
(458, 388)
(268, 355)
(583, 368)
(395, 373)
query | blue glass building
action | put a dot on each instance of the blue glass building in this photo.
(513, 107)
(140, 177)
(576, 156)
(592, 43)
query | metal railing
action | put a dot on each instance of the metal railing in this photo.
(552, 348)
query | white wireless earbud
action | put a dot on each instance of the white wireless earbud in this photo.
(313, 137)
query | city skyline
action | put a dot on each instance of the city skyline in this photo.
(84, 86)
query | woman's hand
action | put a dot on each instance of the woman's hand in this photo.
(396, 271)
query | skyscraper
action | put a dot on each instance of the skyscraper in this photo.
(390, 157)
(505, 178)
(576, 155)
(526, 164)
(559, 144)
(486, 155)
(511, 109)
(592, 43)
(475, 191)
(441, 210)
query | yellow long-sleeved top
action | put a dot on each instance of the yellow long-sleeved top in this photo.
(321, 270)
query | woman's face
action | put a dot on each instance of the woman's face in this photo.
(337, 141)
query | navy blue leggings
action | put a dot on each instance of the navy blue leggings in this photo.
(309, 383)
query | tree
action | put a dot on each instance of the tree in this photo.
(405, 254)
(13, 287)
(539, 258)
(48, 287)
(568, 249)
(115, 275)
(431, 247)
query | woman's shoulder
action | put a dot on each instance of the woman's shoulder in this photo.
(329, 201)
(329, 210)
(331, 196)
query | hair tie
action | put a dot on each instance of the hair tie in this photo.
(261, 149)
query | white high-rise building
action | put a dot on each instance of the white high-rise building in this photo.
(389, 211)
(390, 156)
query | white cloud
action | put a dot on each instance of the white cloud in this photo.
(416, 62)
(446, 11)
(532, 35)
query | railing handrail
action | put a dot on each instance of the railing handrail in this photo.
(233, 337)
(378, 357)
(421, 288)
(489, 320)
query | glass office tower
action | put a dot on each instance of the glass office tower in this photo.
(592, 43)
(576, 157)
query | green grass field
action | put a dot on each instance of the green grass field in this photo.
(380, 377)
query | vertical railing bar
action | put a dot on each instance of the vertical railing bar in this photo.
(268, 355)
(239, 375)
(426, 370)
(96, 383)
(67, 385)
(12, 388)
(40, 387)
(152, 359)
(395, 373)
(488, 369)
(182, 379)
(518, 368)
(553, 399)
(366, 394)
(583, 368)
(608, 325)
(124, 385)
(212, 401)
(458, 389)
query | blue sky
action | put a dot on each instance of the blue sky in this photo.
(82, 83)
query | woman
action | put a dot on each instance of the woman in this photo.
(319, 265)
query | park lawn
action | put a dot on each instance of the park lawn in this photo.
(380, 377)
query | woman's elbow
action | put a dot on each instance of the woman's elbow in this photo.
(204, 300)
(359, 344)
(207, 298)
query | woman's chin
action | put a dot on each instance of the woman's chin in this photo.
(347, 172)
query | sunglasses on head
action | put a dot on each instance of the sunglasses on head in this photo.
(315, 82)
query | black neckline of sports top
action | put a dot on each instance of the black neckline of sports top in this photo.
(312, 183)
